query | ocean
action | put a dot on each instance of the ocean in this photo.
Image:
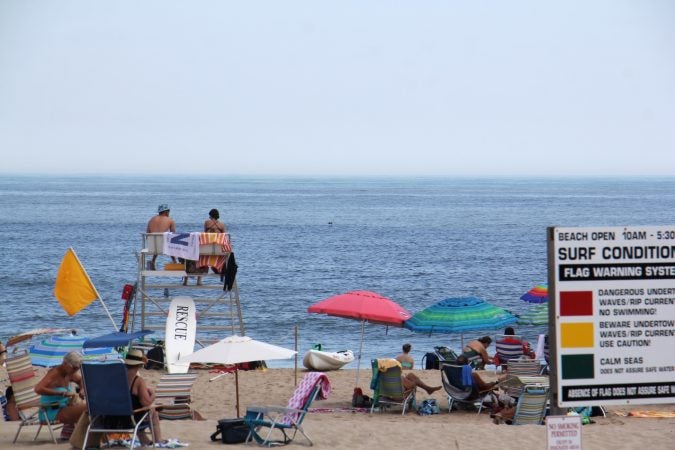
(300, 240)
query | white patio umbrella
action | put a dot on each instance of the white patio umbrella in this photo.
(238, 349)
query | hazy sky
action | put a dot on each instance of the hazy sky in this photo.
(338, 88)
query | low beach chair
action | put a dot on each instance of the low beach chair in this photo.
(507, 348)
(174, 392)
(388, 389)
(109, 401)
(445, 354)
(31, 411)
(531, 406)
(523, 367)
(458, 385)
(286, 420)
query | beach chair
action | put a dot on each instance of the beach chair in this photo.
(519, 368)
(174, 392)
(109, 401)
(388, 389)
(507, 348)
(531, 406)
(445, 354)
(287, 420)
(458, 385)
(31, 411)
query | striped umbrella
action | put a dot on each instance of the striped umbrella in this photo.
(454, 315)
(50, 352)
(536, 315)
(538, 294)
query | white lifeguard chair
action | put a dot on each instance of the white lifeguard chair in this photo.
(218, 310)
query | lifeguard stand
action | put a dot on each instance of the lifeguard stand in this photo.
(218, 310)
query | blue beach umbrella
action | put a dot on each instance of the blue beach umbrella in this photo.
(50, 352)
(456, 315)
(115, 339)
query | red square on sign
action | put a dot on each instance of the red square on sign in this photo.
(576, 303)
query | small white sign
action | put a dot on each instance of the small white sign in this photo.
(563, 432)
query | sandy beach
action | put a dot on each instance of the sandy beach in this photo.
(335, 425)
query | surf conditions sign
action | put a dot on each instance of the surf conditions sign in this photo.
(613, 303)
(180, 333)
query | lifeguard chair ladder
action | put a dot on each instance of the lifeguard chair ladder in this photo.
(218, 311)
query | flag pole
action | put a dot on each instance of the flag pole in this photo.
(95, 290)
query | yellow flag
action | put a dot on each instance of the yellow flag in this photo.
(73, 288)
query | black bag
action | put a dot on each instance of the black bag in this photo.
(430, 361)
(191, 267)
(155, 358)
(231, 431)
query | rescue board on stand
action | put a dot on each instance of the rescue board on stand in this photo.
(180, 333)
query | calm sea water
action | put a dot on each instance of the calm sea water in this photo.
(300, 240)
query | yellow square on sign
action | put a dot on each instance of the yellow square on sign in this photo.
(574, 335)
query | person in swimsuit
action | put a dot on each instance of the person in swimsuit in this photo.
(407, 361)
(141, 394)
(477, 351)
(55, 390)
(212, 224)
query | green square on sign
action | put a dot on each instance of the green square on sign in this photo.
(575, 367)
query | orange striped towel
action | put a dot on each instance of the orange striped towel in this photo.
(215, 261)
(216, 238)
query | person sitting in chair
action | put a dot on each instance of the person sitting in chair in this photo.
(55, 390)
(141, 394)
(480, 388)
(407, 361)
(477, 351)
(508, 332)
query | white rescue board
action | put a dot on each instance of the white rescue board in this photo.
(180, 333)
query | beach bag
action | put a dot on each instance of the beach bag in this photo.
(430, 361)
(155, 358)
(359, 400)
(231, 431)
(191, 267)
(77, 437)
(428, 407)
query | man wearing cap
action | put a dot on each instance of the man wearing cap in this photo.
(161, 223)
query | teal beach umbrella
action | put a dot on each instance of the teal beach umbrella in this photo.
(50, 352)
(454, 315)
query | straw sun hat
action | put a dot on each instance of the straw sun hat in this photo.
(135, 357)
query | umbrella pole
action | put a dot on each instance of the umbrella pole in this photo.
(296, 355)
(236, 384)
(358, 364)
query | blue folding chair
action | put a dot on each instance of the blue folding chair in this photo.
(109, 401)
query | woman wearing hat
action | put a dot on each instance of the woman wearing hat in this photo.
(141, 394)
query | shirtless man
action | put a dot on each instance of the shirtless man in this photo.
(161, 223)
(55, 387)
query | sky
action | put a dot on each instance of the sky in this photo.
(341, 88)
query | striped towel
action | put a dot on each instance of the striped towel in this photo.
(303, 392)
(215, 261)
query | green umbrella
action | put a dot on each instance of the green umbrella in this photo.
(536, 315)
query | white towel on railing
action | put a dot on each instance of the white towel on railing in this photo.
(182, 245)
